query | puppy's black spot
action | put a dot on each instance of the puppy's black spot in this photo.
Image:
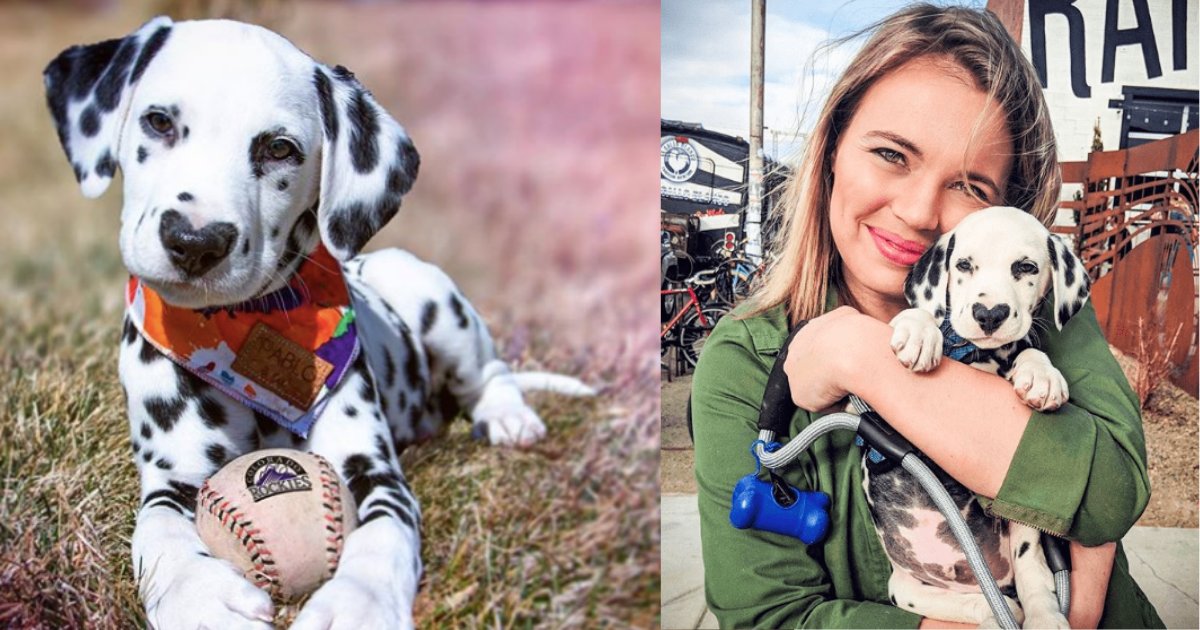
(1068, 269)
(364, 133)
(148, 353)
(146, 431)
(187, 493)
(136, 447)
(147, 456)
(153, 45)
(365, 390)
(1052, 251)
(351, 410)
(1023, 549)
(275, 232)
(89, 122)
(246, 247)
(282, 185)
(328, 108)
(185, 196)
(428, 316)
(935, 265)
(163, 463)
(928, 293)
(216, 454)
(108, 90)
(212, 413)
(105, 166)
(129, 332)
(343, 74)
(186, 131)
(939, 314)
(165, 413)
(265, 425)
(459, 312)
(389, 373)
(80, 174)
(142, 154)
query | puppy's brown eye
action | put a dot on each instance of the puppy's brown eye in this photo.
(280, 149)
(160, 123)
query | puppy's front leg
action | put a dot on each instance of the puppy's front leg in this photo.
(376, 580)
(182, 431)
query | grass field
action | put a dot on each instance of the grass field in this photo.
(532, 121)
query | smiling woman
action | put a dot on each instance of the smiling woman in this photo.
(937, 117)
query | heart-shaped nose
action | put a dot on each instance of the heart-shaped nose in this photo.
(193, 251)
(989, 318)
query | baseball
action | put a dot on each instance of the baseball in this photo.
(280, 516)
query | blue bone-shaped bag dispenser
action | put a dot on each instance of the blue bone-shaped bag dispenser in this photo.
(755, 506)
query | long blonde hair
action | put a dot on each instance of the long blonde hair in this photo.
(805, 261)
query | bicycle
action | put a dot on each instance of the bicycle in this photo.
(735, 273)
(690, 325)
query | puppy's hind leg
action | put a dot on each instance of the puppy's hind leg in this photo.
(465, 372)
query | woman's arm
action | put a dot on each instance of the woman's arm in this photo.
(1079, 472)
(1091, 568)
(947, 413)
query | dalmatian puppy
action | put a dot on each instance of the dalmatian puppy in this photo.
(976, 294)
(242, 156)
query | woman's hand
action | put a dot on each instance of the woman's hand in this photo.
(818, 358)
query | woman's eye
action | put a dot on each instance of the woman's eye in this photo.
(975, 191)
(964, 266)
(160, 123)
(889, 156)
(280, 149)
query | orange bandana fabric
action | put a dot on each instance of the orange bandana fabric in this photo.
(280, 354)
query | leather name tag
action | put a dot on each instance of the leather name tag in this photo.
(282, 366)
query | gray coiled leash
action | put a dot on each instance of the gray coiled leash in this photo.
(775, 418)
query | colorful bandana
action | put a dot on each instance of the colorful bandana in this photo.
(279, 354)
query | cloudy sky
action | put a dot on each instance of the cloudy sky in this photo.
(706, 61)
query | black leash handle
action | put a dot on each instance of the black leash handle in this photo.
(775, 413)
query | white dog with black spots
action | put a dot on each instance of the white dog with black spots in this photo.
(241, 155)
(979, 288)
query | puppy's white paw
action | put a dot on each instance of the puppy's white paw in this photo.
(508, 425)
(1038, 383)
(347, 603)
(916, 340)
(208, 593)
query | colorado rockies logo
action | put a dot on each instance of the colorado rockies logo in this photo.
(679, 159)
(274, 475)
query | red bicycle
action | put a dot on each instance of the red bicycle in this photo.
(691, 323)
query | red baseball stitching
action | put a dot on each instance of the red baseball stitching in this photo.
(331, 499)
(263, 573)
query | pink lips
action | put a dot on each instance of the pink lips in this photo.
(895, 248)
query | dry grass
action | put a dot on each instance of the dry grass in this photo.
(534, 195)
(1154, 353)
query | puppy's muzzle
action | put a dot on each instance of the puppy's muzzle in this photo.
(989, 319)
(194, 251)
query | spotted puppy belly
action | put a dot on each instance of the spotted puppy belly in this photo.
(917, 538)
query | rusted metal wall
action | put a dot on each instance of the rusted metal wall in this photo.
(1136, 232)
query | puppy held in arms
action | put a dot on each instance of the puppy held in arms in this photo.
(977, 294)
(253, 176)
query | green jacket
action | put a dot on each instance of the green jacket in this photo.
(1079, 472)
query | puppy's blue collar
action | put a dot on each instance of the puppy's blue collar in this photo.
(953, 345)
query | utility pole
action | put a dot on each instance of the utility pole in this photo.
(753, 213)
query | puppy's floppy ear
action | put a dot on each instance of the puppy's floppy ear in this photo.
(88, 90)
(368, 162)
(1070, 282)
(925, 287)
